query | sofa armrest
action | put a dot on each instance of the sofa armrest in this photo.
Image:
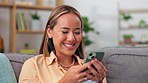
(17, 61)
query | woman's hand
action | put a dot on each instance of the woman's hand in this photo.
(75, 74)
(98, 71)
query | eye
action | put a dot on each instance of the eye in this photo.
(64, 32)
(77, 32)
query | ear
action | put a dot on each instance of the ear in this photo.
(49, 32)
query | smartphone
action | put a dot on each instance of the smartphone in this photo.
(92, 55)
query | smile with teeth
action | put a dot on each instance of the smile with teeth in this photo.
(69, 45)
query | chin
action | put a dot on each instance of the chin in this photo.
(69, 52)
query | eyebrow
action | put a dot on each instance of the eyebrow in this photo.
(69, 28)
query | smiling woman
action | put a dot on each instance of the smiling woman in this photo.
(61, 52)
(66, 34)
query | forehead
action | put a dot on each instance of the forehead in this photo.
(69, 17)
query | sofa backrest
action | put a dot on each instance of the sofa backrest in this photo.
(126, 64)
(17, 61)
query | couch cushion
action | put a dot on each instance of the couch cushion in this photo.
(126, 64)
(17, 61)
(6, 72)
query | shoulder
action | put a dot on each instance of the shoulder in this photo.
(36, 59)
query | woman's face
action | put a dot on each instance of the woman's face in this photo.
(67, 34)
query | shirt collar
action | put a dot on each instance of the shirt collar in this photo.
(52, 58)
(80, 61)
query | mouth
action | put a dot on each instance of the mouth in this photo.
(70, 46)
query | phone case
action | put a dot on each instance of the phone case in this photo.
(92, 55)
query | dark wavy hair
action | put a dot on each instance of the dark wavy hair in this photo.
(47, 43)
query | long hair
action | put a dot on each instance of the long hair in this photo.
(47, 43)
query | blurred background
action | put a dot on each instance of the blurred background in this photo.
(115, 20)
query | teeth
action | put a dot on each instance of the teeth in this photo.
(69, 45)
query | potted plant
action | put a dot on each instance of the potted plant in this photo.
(142, 23)
(86, 29)
(128, 38)
(35, 22)
(27, 50)
(125, 19)
(35, 16)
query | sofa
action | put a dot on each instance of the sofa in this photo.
(124, 64)
(11, 72)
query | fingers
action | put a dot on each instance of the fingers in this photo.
(84, 66)
(83, 70)
(96, 73)
(75, 74)
(82, 76)
(102, 66)
(99, 72)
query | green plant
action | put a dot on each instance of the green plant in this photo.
(126, 17)
(142, 23)
(86, 29)
(35, 16)
(128, 36)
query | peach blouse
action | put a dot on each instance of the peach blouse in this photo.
(41, 69)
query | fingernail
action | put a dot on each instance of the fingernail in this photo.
(95, 59)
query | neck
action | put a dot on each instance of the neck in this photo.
(67, 65)
(65, 59)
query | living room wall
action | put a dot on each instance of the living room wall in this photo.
(103, 14)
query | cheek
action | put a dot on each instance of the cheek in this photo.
(57, 41)
(79, 38)
(59, 38)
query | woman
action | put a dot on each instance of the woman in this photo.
(61, 53)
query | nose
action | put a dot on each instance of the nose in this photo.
(71, 37)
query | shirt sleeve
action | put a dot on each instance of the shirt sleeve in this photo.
(29, 73)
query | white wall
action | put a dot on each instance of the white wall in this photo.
(136, 4)
(102, 12)
(104, 15)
